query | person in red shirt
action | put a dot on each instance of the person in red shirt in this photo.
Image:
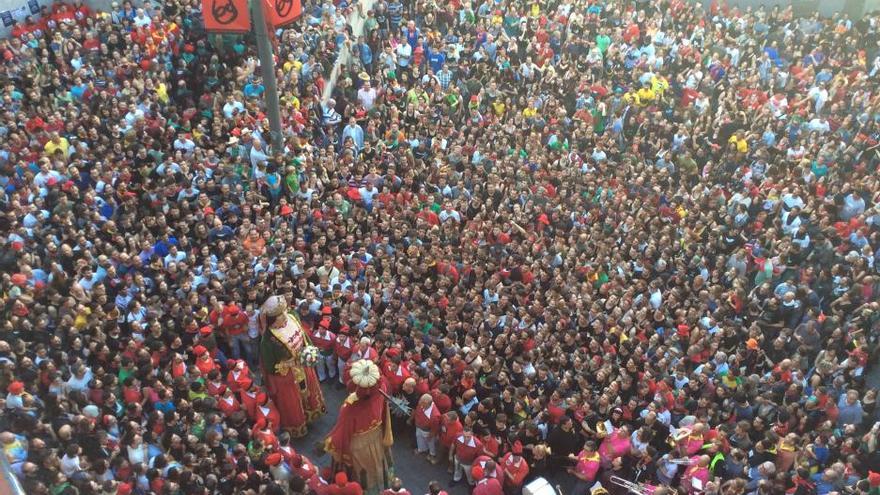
(465, 450)
(239, 376)
(426, 417)
(394, 371)
(486, 485)
(248, 399)
(491, 444)
(325, 341)
(489, 471)
(343, 348)
(263, 431)
(344, 487)
(302, 467)
(514, 469)
(233, 323)
(267, 411)
(215, 385)
(204, 362)
(319, 483)
(396, 488)
(228, 404)
(450, 429)
(441, 398)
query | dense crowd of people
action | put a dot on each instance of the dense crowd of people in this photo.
(584, 240)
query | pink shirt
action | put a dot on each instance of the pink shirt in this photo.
(613, 446)
(588, 465)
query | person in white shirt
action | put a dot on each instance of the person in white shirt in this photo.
(142, 19)
(70, 463)
(367, 95)
(404, 55)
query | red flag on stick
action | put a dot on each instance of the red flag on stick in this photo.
(227, 15)
(282, 12)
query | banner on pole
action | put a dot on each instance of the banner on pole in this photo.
(226, 15)
(282, 12)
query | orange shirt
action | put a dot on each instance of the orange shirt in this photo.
(256, 247)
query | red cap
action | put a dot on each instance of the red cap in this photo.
(326, 310)
(873, 479)
(208, 210)
(517, 448)
(318, 215)
(67, 186)
(477, 472)
(236, 132)
(341, 478)
(15, 388)
(19, 279)
(199, 350)
(123, 489)
(205, 331)
(543, 218)
(286, 210)
(52, 181)
(273, 459)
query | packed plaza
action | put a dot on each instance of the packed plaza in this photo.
(620, 246)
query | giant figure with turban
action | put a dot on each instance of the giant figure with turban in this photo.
(361, 440)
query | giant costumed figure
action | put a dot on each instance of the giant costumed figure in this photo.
(361, 440)
(286, 359)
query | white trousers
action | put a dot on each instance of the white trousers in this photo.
(425, 443)
(466, 469)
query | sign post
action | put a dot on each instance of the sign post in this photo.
(267, 66)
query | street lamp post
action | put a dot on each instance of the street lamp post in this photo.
(267, 66)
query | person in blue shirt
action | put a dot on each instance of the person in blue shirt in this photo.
(436, 58)
(254, 88)
(395, 13)
(366, 54)
(411, 32)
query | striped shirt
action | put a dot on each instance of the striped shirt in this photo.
(395, 13)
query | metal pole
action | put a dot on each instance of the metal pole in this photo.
(267, 64)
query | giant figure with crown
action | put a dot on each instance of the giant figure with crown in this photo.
(289, 375)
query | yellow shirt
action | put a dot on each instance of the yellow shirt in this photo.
(162, 93)
(292, 65)
(742, 145)
(82, 319)
(52, 146)
(529, 112)
(659, 85)
(646, 96)
(499, 108)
